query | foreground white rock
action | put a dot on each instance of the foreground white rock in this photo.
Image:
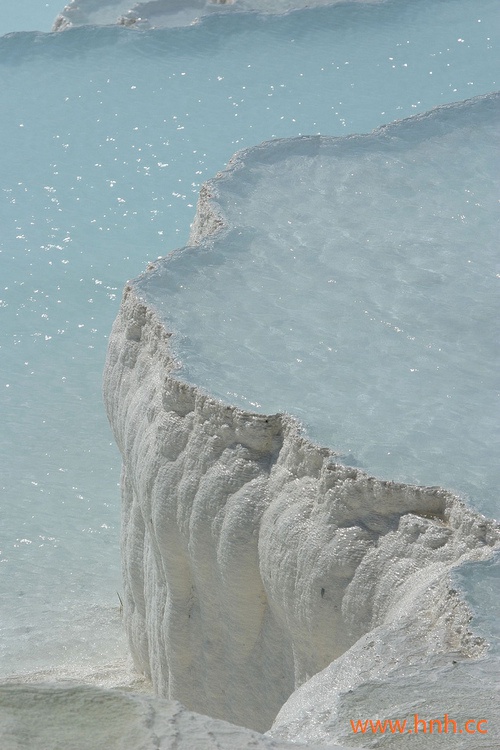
(252, 560)
(401, 670)
(84, 718)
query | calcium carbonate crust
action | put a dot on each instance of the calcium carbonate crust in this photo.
(170, 13)
(263, 580)
(252, 561)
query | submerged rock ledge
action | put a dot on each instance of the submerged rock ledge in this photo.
(167, 13)
(252, 560)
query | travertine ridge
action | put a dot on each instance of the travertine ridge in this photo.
(251, 559)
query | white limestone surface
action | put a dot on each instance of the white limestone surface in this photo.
(251, 560)
(400, 672)
(72, 717)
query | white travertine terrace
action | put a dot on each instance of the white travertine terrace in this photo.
(253, 560)
(169, 13)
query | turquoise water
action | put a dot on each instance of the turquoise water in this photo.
(107, 135)
(29, 15)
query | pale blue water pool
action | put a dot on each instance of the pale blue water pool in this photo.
(107, 134)
(30, 15)
(338, 295)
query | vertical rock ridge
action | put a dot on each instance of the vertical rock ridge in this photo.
(251, 559)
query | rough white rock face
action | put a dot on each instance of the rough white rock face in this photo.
(84, 718)
(252, 561)
(411, 665)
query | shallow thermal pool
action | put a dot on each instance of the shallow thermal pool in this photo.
(107, 136)
(355, 289)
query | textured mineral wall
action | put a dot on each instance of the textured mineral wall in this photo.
(251, 560)
(260, 574)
